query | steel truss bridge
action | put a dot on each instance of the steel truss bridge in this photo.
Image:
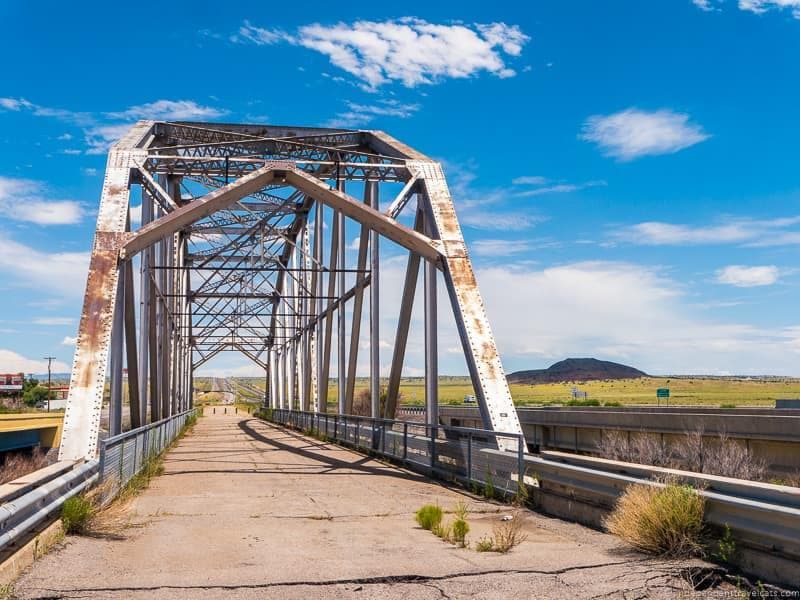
(241, 247)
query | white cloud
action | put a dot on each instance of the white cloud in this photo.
(136, 214)
(752, 232)
(100, 132)
(761, 6)
(89, 171)
(15, 104)
(497, 221)
(64, 272)
(704, 5)
(24, 200)
(530, 180)
(100, 138)
(754, 6)
(743, 276)
(169, 110)
(409, 50)
(633, 133)
(258, 35)
(561, 188)
(358, 115)
(16, 363)
(53, 321)
(65, 137)
(624, 312)
(69, 340)
(492, 248)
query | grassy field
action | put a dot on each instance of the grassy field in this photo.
(711, 391)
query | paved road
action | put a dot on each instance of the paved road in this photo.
(223, 386)
(247, 510)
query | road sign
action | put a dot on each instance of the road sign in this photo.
(662, 393)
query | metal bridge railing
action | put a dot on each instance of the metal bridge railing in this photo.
(40, 495)
(126, 454)
(452, 453)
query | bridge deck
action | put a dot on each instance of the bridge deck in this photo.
(247, 510)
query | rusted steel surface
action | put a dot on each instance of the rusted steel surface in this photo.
(477, 339)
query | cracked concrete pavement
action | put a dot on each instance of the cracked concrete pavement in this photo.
(248, 510)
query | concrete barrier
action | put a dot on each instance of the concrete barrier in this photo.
(772, 435)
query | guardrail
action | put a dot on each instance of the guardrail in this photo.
(764, 519)
(124, 455)
(24, 513)
(454, 453)
(31, 500)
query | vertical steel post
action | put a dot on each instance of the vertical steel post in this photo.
(319, 216)
(144, 308)
(326, 353)
(131, 357)
(403, 324)
(290, 329)
(358, 304)
(341, 358)
(374, 311)
(117, 344)
(431, 350)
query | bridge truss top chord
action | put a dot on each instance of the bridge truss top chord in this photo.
(241, 246)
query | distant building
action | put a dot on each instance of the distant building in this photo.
(60, 392)
(11, 384)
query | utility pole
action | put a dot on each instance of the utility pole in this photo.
(49, 360)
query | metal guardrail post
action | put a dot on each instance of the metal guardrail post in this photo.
(102, 462)
(405, 441)
(521, 462)
(434, 433)
(469, 458)
(336, 427)
(121, 457)
(358, 433)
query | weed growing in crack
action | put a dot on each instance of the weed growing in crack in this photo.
(429, 516)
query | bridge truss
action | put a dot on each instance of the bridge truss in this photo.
(241, 247)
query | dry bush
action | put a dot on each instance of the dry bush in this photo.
(722, 456)
(19, 464)
(362, 402)
(641, 448)
(90, 513)
(507, 534)
(664, 520)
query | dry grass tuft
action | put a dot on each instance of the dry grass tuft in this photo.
(507, 534)
(666, 520)
(19, 464)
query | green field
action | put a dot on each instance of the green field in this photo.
(707, 391)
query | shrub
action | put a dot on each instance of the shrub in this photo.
(485, 544)
(76, 514)
(443, 530)
(460, 527)
(507, 534)
(662, 520)
(593, 402)
(429, 516)
(460, 530)
(488, 487)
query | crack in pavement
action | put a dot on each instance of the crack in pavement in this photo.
(378, 580)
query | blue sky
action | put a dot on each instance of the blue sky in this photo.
(625, 172)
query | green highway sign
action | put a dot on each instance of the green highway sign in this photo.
(662, 393)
